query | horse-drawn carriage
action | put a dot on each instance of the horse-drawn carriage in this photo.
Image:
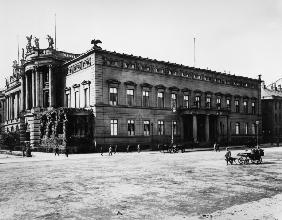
(255, 156)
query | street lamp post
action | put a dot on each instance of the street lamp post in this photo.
(257, 123)
(172, 130)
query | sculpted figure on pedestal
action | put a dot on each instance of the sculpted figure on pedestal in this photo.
(95, 43)
(28, 46)
(36, 42)
(50, 42)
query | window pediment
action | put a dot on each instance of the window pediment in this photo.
(130, 83)
(113, 81)
(146, 85)
(160, 86)
(174, 88)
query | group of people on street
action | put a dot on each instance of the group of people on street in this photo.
(57, 151)
(112, 150)
(216, 147)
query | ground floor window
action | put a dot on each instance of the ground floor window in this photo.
(130, 127)
(146, 128)
(114, 126)
(161, 127)
(237, 128)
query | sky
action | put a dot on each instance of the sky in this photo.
(241, 37)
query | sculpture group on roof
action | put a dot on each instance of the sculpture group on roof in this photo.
(30, 48)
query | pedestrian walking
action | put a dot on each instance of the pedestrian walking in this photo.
(110, 151)
(57, 151)
(67, 152)
(127, 149)
(214, 146)
(138, 148)
(101, 150)
(115, 148)
(23, 150)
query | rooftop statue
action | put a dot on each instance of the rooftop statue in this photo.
(50, 42)
(36, 42)
(28, 46)
(95, 44)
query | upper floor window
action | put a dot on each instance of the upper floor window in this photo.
(113, 96)
(145, 98)
(186, 101)
(253, 107)
(237, 107)
(208, 102)
(130, 96)
(245, 104)
(198, 101)
(160, 127)
(131, 127)
(146, 128)
(114, 127)
(86, 97)
(218, 103)
(237, 128)
(160, 99)
(228, 103)
(173, 100)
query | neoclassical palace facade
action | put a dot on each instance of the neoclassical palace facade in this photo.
(115, 98)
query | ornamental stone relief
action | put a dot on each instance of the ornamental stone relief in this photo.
(204, 75)
(83, 64)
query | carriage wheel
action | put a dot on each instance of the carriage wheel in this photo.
(259, 161)
(247, 161)
(241, 160)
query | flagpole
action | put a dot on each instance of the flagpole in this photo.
(55, 33)
(194, 52)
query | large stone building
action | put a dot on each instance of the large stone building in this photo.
(124, 99)
(271, 96)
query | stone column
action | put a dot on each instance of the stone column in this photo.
(33, 88)
(26, 93)
(22, 80)
(40, 89)
(207, 127)
(195, 128)
(6, 108)
(37, 96)
(15, 105)
(51, 87)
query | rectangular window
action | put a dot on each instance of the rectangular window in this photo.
(86, 97)
(173, 101)
(237, 128)
(114, 127)
(160, 127)
(237, 109)
(253, 108)
(174, 127)
(113, 96)
(68, 101)
(130, 127)
(208, 102)
(146, 128)
(245, 104)
(228, 103)
(160, 99)
(198, 101)
(218, 103)
(253, 128)
(76, 99)
(145, 98)
(246, 128)
(186, 101)
(130, 96)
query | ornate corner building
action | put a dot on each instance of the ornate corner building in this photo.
(102, 97)
(271, 100)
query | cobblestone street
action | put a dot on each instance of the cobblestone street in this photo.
(149, 185)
